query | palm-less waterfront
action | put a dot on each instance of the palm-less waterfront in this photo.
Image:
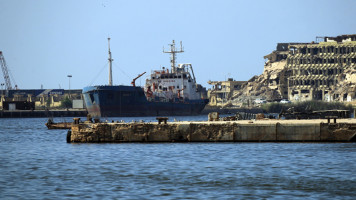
(37, 163)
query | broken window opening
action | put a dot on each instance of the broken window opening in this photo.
(294, 92)
(303, 50)
(330, 72)
(315, 51)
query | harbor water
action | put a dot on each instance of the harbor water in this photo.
(36, 163)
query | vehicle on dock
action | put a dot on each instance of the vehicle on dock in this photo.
(166, 92)
(260, 101)
(285, 101)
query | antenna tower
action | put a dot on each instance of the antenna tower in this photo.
(173, 52)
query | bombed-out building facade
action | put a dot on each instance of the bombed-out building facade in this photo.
(322, 70)
(223, 91)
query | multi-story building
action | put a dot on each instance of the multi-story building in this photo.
(318, 69)
(323, 70)
(222, 91)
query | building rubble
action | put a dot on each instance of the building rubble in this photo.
(298, 72)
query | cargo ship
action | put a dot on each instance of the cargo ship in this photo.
(166, 93)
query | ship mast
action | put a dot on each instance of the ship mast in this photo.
(173, 52)
(110, 65)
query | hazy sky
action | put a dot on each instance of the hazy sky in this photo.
(45, 40)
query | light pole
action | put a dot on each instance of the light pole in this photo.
(2, 86)
(69, 76)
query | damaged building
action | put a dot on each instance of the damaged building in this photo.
(271, 84)
(299, 72)
(275, 72)
(223, 91)
(323, 71)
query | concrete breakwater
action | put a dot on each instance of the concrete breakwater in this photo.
(216, 131)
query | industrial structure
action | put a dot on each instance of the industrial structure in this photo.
(6, 74)
(12, 98)
(38, 99)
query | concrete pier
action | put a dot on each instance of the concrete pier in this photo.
(217, 131)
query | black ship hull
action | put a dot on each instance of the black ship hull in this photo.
(127, 101)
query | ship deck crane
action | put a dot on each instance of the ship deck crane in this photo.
(5, 72)
(133, 81)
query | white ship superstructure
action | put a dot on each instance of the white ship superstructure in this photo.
(170, 85)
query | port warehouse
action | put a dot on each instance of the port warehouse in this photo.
(39, 99)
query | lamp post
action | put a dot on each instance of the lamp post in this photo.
(2, 86)
(69, 76)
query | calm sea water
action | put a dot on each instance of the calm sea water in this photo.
(36, 163)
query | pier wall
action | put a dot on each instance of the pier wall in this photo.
(212, 132)
(42, 113)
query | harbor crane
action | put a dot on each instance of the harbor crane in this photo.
(5, 72)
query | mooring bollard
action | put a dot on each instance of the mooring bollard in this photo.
(213, 116)
(331, 117)
(162, 119)
(76, 120)
(89, 119)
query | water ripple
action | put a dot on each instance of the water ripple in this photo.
(38, 164)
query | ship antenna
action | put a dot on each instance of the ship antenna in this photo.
(173, 52)
(110, 65)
